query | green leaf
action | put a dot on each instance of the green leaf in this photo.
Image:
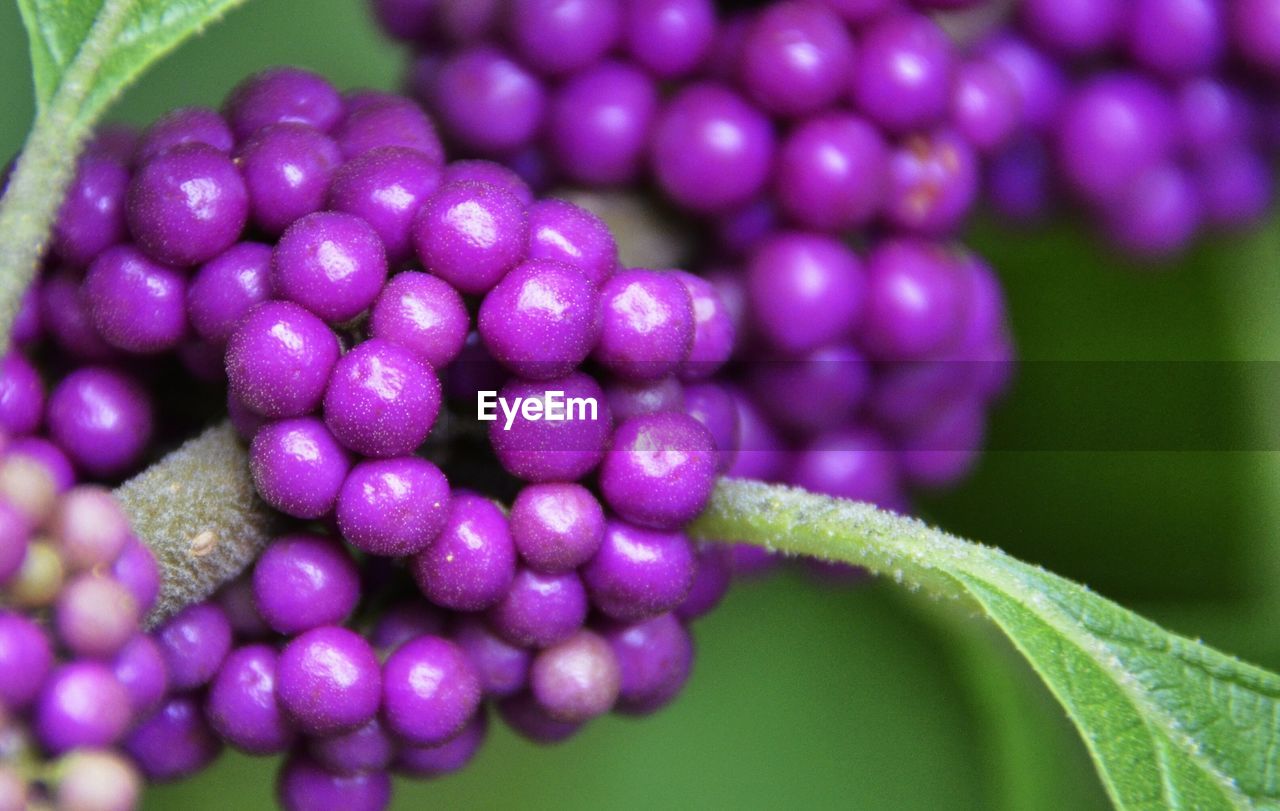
(1170, 723)
(83, 54)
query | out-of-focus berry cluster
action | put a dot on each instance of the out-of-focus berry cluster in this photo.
(1158, 117)
(824, 155)
(77, 673)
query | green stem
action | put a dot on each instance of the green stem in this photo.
(46, 165)
(795, 522)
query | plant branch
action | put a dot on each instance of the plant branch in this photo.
(199, 513)
(47, 163)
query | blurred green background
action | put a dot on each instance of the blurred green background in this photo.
(809, 695)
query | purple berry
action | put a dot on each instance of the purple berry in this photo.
(21, 395)
(472, 562)
(713, 405)
(902, 80)
(598, 123)
(136, 304)
(175, 741)
(303, 786)
(669, 38)
(368, 748)
(194, 642)
(141, 671)
(287, 168)
(184, 125)
(713, 329)
(393, 507)
(451, 756)
(659, 470)
(540, 610)
(915, 301)
(305, 581)
(805, 290)
(541, 320)
(392, 122)
(298, 467)
(430, 690)
(471, 234)
(495, 174)
(548, 450)
(933, 182)
(796, 58)
(556, 527)
(385, 187)
(65, 317)
(502, 668)
(328, 680)
(561, 36)
(279, 360)
(424, 315)
(1176, 37)
(187, 205)
(92, 217)
(25, 659)
(486, 101)
(81, 704)
(832, 172)
(382, 400)
(1073, 27)
(654, 658)
(226, 288)
(1114, 128)
(403, 621)
(568, 234)
(849, 463)
(331, 263)
(137, 569)
(525, 717)
(639, 573)
(710, 583)
(280, 96)
(648, 324)
(711, 150)
(986, 107)
(241, 705)
(101, 419)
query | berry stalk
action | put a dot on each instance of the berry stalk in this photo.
(198, 512)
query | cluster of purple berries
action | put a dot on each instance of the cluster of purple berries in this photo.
(780, 131)
(357, 294)
(1157, 116)
(78, 676)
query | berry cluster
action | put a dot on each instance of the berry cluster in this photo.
(356, 294)
(778, 132)
(1153, 114)
(77, 673)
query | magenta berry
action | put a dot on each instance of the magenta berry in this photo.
(382, 400)
(423, 314)
(639, 573)
(541, 320)
(304, 581)
(331, 263)
(328, 680)
(134, 303)
(298, 467)
(471, 234)
(659, 470)
(556, 527)
(472, 562)
(393, 507)
(187, 204)
(430, 690)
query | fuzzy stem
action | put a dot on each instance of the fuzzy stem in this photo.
(199, 513)
(47, 164)
(795, 522)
